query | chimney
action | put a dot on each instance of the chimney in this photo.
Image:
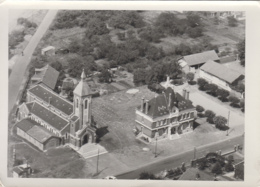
(170, 99)
(168, 79)
(142, 105)
(146, 107)
(184, 93)
(187, 95)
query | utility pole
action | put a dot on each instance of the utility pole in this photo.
(194, 153)
(155, 152)
(228, 121)
(97, 160)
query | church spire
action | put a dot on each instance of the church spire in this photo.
(83, 76)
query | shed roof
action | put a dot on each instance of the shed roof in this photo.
(48, 76)
(200, 58)
(26, 124)
(48, 48)
(39, 133)
(57, 102)
(220, 71)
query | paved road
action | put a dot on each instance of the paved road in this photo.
(17, 76)
(176, 160)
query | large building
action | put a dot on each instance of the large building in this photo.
(48, 120)
(194, 61)
(165, 116)
(220, 75)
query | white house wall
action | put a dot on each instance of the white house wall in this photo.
(214, 80)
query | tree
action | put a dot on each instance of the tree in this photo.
(240, 87)
(234, 101)
(232, 21)
(241, 52)
(229, 167)
(202, 83)
(96, 26)
(105, 76)
(220, 122)
(199, 108)
(223, 94)
(56, 65)
(210, 115)
(212, 88)
(242, 105)
(182, 49)
(194, 32)
(190, 76)
(217, 169)
(139, 77)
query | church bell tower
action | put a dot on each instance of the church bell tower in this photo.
(82, 102)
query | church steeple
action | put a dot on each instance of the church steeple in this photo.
(82, 101)
(82, 89)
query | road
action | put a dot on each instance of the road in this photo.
(16, 78)
(177, 160)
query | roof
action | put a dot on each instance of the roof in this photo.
(228, 59)
(82, 89)
(29, 105)
(26, 124)
(200, 58)
(18, 170)
(57, 102)
(48, 48)
(48, 116)
(39, 133)
(220, 71)
(192, 173)
(47, 76)
(162, 104)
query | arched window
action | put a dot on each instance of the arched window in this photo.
(86, 104)
(77, 101)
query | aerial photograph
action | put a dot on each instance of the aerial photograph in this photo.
(126, 94)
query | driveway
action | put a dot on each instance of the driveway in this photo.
(235, 118)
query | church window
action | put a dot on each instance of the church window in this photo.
(86, 104)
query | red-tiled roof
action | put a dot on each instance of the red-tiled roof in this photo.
(220, 71)
(56, 101)
(200, 58)
(48, 116)
(26, 124)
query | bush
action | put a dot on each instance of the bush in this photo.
(202, 83)
(199, 108)
(190, 76)
(217, 169)
(234, 101)
(220, 122)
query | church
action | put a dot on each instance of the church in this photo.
(47, 120)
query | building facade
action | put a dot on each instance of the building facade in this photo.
(166, 116)
(48, 120)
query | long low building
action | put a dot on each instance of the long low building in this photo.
(220, 75)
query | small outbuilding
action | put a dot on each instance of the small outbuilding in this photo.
(49, 51)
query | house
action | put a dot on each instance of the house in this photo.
(22, 171)
(220, 75)
(49, 51)
(48, 120)
(46, 75)
(165, 116)
(197, 60)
